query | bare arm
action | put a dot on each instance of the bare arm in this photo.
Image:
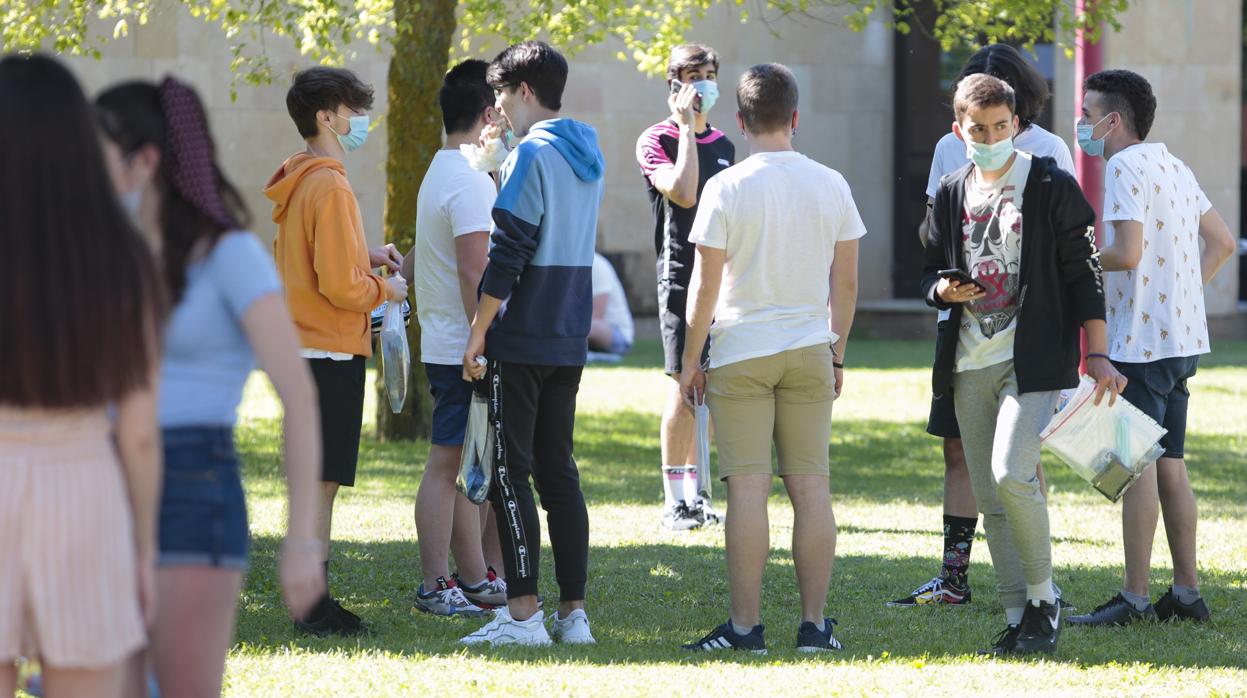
(486, 311)
(408, 270)
(1219, 244)
(276, 344)
(843, 300)
(1127, 248)
(678, 182)
(139, 447)
(703, 294)
(471, 256)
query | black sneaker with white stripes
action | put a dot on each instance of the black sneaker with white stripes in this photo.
(725, 638)
(811, 639)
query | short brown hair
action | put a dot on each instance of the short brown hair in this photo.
(980, 91)
(767, 97)
(323, 87)
(690, 56)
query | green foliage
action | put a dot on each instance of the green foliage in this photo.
(329, 31)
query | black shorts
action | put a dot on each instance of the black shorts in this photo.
(942, 421)
(340, 392)
(1158, 389)
(672, 308)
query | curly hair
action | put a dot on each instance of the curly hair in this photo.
(1128, 94)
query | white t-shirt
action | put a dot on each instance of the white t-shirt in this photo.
(992, 231)
(1156, 311)
(778, 216)
(606, 281)
(950, 156)
(454, 200)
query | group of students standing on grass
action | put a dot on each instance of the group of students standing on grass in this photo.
(127, 267)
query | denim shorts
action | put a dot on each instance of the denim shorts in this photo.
(451, 398)
(203, 512)
(1158, 389)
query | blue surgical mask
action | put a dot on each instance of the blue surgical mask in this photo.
(709, 91)
(355, 137)
(1091, 146)
(990, 157)
(132, 201)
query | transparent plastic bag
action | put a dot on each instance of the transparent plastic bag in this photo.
(395, 356)
(704, 481)
(1108, 446)
(476, 470)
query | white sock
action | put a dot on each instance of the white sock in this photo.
(740, 629)
(673, 484)
(690, 493)
(1013, 616)
(1041, 591)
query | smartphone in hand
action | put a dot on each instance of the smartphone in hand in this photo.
(676, 86)
(959, 276)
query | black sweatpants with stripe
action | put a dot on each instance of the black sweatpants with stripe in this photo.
(533, 411)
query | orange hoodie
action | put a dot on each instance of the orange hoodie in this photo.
(322, 255)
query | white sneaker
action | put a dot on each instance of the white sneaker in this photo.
(504, 630)
(572, 630)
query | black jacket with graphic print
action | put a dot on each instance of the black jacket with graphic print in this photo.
(1060, 279)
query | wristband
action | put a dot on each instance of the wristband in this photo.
(1099, 356)
(837, 365)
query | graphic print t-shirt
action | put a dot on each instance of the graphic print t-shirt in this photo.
(991, 235)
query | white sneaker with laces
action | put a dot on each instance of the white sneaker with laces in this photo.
(505, 630)
(572, 630)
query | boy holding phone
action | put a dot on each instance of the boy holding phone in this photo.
(1023, 230)
(677, 156)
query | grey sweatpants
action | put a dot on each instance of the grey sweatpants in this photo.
(1000, 432)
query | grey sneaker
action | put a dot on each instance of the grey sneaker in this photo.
(447, 600)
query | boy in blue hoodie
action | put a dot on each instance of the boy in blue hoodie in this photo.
(532, 324)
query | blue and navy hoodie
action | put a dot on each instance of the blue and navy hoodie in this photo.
(541, 247)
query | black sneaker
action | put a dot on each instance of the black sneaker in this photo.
(811, 639)
(950, 591)
(724, 638)
(346, 616)
(1116, 611)
(705, 513)
(325, 619)
(1168, 608)
(1005, 641)
(1041, 625)
(1066, 606)
(679, 517)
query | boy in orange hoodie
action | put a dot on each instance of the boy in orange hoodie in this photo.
(327, 268)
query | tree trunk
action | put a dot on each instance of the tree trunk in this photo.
(424, 30)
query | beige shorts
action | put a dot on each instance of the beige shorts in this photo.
(68, 588)
(783, 399)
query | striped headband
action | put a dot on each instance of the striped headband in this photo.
(191, 156)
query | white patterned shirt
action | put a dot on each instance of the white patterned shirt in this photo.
(1156, 311)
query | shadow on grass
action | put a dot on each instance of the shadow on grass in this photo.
(618, 455)
(645, 600)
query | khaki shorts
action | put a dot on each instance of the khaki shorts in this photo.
(784, 398)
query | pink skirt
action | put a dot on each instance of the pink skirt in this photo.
(68, 584)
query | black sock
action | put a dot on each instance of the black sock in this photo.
(958, 537)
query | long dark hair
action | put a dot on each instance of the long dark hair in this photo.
(79, 295)
(1030, 89)
(197, 203)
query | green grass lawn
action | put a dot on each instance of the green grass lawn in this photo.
(650, 591)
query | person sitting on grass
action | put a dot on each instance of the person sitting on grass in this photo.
(612, 329)
(776, 268)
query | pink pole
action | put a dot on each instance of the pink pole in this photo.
(1088, 60)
